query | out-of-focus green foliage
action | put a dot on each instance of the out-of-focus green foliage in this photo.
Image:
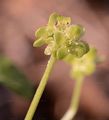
(14, 79)
(61, 37)
(84, 66)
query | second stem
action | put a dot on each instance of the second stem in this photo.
(70, 114)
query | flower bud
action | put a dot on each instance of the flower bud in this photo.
(49, 48)
(39, 42)
(62, 53)
(79, 48)
(74, 32)
(41, 32)
(59, 38)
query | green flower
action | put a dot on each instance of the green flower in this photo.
(61, 37)
(85, 65)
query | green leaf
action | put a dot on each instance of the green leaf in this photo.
(14, 79)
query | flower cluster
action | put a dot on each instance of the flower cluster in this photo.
(85, 65)
(61, 37)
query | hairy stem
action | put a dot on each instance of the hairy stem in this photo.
(40, 89)
(70, 114)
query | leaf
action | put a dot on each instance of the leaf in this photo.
(14, 79)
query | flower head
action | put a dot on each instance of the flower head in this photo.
(85, 65)
(61, 37)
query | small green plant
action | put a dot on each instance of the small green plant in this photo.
(81, 68)
(62, 39)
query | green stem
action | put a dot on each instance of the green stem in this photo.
(70, 114)
(40, 89)
(76, 96)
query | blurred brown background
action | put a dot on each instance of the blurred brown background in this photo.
(18, 22)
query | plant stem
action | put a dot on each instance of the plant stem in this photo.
(70, 114)
(40, 89)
